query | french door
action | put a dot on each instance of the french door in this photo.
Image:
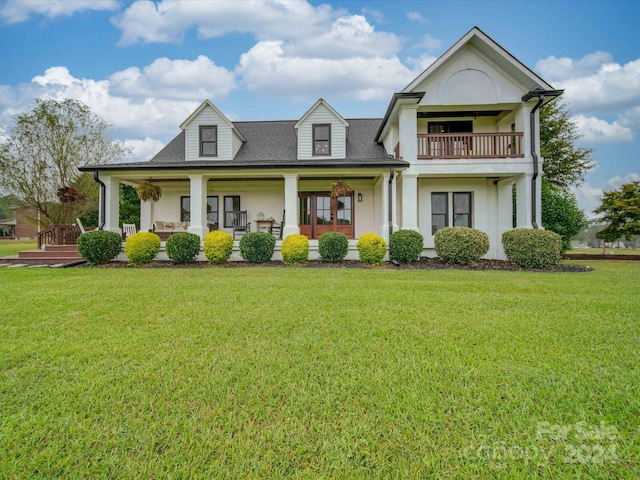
(318, 214)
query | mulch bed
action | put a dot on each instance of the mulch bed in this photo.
(422, 264)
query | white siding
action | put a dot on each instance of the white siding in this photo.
(305, 134)
(237, 143)
(192, 136)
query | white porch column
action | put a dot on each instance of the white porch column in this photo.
(290, 205)
(112, 204)
(523, 201)
(384, 185)
(410, 202)
(146, 216)
(409, 133)
(505, 211)
(395, 203)
(198, 204)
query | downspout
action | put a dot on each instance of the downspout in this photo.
(390, 193)
(534, 179)
(103, 200)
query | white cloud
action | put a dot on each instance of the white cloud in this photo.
(416, 17)
(428, 43)
(140, 104)
(167, 21)
(616, 182)
(16, 11)
(142, 149)
(553, 68)
(588, 198)
(267, 70)
(175, 79)
(595, 130)
(595, 83)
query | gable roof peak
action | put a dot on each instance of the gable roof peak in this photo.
(476, 38)
(205, 104)
(314, 107)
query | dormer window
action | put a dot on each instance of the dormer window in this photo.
(208, 141)
(322, 139)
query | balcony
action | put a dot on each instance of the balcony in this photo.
(469, 145)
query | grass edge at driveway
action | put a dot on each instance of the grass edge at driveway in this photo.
(319, 373)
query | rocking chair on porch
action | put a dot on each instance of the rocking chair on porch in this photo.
(276, 228)
(239, 222)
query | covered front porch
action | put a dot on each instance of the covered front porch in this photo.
(203, 201)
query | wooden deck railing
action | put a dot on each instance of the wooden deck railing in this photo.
(470, 145)
(59, 235)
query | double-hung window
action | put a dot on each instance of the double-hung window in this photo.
(212, 209)
(208, 141)
(231, 204)
(322, 139)
(461, 210)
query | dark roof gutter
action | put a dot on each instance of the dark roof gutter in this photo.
(541, 95)
(185, 166)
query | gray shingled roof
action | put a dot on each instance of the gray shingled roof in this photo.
(260, 149)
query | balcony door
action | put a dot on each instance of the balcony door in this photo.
(318, 214)
(449, 145)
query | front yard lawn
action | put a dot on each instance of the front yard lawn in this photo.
(336, 373)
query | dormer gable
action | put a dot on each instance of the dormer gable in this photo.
(210, 135)
(322, 133)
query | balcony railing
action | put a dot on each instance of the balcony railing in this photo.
(470, 145)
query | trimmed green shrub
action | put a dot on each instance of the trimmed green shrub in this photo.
(371, 248)
(218, 246)
(295, 249)
(333, 246)
(99, 246)
(257, 247)
(406, 246)
(142, 247)
(183, 247)
(461, 245)
(532, 248)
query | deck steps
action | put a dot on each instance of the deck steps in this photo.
(50, 256)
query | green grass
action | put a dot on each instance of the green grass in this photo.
(12, 247)
(598, 251)
(245, 373)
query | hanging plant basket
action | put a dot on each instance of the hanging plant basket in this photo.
(147, 191)
(340, 188)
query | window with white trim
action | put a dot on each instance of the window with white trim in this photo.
(451, 209)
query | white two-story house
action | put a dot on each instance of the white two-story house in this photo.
(447, 152)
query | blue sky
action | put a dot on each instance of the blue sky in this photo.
(144, 66)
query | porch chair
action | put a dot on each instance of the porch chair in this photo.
(276, 228)
(80, 226)
(239, 222)
(128, 229)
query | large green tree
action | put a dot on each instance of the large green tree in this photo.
(621, 212)
(43, 152)
(560, 213)
(565, 163)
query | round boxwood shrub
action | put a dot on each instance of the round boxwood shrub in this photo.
(218, 246)
(405, 246)
(183, 247)
(99, 246)
(333, 246)
(461, 245)
(295, 249)
(257, 247)
(371, 248)
(142, 247)
(531, 248)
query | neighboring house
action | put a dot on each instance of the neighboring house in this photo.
(21, 225)
(447, 153)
